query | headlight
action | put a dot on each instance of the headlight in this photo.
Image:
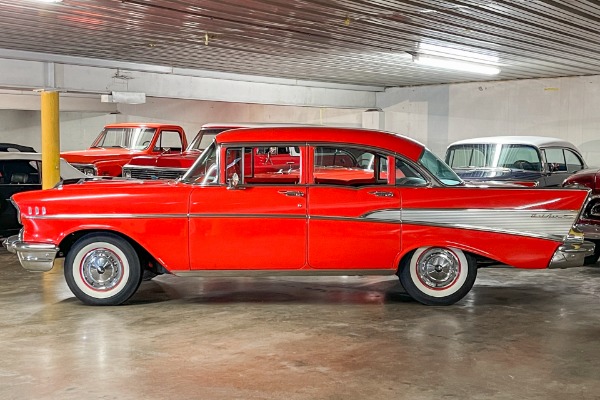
(89, 171)
(127, 173)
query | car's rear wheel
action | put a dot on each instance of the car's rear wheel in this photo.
(102, 269)
(438, 275)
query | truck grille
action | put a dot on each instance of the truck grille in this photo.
(153, 173)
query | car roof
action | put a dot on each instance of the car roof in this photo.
(67, 170)
(307, 134)
(141, 124)
(538, 141)
(16, 147)
(20, 155)
(235, 125)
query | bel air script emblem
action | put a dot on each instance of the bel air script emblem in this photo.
(551, 216)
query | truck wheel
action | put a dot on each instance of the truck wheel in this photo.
(438, 276)
(102, 269)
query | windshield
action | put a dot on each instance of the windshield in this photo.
(515, 156)
(205, 168)
(204, 138)
(125, 138)
(439, 169)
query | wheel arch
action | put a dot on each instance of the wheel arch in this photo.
(481, 257)
(147, 261)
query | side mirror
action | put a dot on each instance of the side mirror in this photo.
(234, 182)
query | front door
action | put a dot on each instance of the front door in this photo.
(256, 224)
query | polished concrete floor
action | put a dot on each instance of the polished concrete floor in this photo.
(517, 335)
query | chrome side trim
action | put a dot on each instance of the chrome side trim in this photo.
(106, 216)
(541, 223)
(261, 216)
(292, 272)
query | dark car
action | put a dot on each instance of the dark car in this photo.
(20, 172)
(526, 160)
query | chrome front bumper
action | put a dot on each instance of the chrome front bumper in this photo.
(571, 254)
(35, 257)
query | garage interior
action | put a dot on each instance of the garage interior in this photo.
(518, 334)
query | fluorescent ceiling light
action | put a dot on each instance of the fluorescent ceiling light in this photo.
(455, 65)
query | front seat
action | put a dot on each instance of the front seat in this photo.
(19, 177)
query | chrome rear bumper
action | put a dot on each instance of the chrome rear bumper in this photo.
(571, 254)
(35, 257)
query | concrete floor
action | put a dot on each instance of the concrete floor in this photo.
(517, 335)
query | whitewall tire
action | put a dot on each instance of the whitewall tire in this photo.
(102, 269)
(438, 275)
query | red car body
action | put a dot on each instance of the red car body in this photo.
(348, 202)
(117, 144)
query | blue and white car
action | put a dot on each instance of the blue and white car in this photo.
(525, 160)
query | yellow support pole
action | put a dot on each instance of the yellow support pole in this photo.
(50, 140)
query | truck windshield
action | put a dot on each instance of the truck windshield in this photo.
(439, 169)
(205, 168)
(204, 138)
(126, 138)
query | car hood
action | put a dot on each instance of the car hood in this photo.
(96, 154)
(183, 160)
(112, 196)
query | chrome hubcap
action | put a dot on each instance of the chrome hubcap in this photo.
(101, 269)
(438, 268)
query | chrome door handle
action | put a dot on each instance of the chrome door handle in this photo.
(382, 194)
(292, 193)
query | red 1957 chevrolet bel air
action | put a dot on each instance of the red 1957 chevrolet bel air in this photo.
(344, 202)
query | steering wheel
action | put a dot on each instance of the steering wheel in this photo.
(210, 176)
(524, 164)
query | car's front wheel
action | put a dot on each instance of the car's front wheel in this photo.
(438, 275)
(102, 269)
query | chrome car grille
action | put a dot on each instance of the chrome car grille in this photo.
(153, 173)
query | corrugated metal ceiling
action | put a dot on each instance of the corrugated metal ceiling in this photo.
(342, 41)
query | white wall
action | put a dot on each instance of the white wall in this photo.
(79, 129)
(567, 108)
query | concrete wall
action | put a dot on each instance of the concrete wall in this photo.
(567, 108)
(79, 129)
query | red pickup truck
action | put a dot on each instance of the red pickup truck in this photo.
(173, 166)
(117, 144)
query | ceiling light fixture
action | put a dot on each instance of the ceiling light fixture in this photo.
(456, 65)
(49, 1)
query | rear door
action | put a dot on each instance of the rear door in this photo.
(353, 209)
(561, 163)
